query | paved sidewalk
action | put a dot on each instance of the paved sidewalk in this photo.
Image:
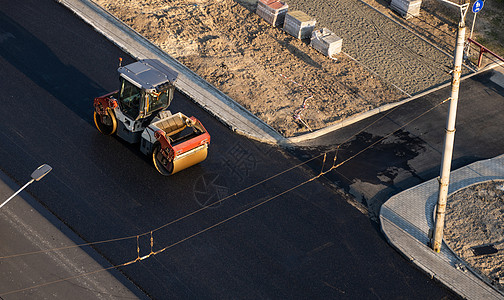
(406, 218)
(26, 226)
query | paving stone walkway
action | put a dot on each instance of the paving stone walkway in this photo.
(407, 217)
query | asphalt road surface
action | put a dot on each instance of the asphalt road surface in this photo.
(262, 243)
(401, 148)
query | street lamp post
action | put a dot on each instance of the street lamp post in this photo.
(36, 176)
(437, 238)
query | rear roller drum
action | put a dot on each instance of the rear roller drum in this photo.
(106, 124)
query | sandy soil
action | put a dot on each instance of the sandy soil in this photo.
(475, 217)
(398, 56)
(226, 43)
(239, 53)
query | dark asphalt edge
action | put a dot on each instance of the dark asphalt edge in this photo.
(62, 228)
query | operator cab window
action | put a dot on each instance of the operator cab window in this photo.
(130, 99)
(158, 101)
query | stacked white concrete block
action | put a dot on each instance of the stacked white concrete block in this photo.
(326, 42)
(407, 8)
(272, 11)
(299, 24)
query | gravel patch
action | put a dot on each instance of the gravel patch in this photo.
(394, 53)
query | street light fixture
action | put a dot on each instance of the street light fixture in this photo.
(36, 176)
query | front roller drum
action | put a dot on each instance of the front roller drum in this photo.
(106, 124)
(181, 162)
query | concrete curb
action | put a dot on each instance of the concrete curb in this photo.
(407, 217)
(370, 113)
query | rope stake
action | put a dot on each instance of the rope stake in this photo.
(297, 113)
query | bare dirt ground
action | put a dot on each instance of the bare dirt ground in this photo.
(475, 217)
(395, 54)
(243, 56)
(227, 44)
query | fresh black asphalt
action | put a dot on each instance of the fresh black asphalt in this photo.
(307, 243)
(404, 146)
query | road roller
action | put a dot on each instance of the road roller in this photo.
(138, 113)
